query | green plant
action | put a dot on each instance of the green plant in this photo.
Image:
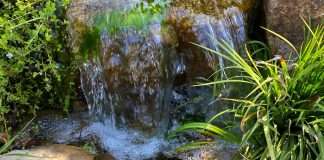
(9, 143)
(282, 116)
(90, 147)
(114, 22)
(34, 61)
(137, 18)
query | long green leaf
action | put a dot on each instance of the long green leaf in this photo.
(211, 128)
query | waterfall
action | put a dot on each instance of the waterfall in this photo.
(129, 84)
(223, 30)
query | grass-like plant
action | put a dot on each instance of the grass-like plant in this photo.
(9, 143)
(282, 116)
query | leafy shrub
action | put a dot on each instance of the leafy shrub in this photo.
(35, 64)
(282, 117)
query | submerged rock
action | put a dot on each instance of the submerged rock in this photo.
(51, 152)
(209, 154)
(284, 17)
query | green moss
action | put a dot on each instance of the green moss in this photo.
(137, 18)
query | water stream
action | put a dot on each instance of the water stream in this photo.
(145, 62)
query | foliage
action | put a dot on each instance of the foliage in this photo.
(90, 147)
(34, 63)
(282, 116)
(114, 22)
(154, 6)
(11, 140)
(137, 18)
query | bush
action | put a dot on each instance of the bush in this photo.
(282, 117)
(35, 64)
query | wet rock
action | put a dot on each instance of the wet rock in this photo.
(202, 22)
(138, 72)
(283, 17)
(104, 156)
(191, 104)
(220, 152)
(79, 106)
(51, 152)
(56, 128)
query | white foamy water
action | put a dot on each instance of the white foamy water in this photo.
(125, 144)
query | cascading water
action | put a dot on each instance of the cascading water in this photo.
(206, 27)
(129, 83)
(220, 30)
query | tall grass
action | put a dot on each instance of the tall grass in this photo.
(282, 116)
(9, 143)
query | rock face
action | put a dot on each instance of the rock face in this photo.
(137, 71)
(283, 17)
(52, 152)
(203, 22)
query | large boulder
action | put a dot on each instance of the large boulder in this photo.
(52, 152)
(283, 17)
(202, 21)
